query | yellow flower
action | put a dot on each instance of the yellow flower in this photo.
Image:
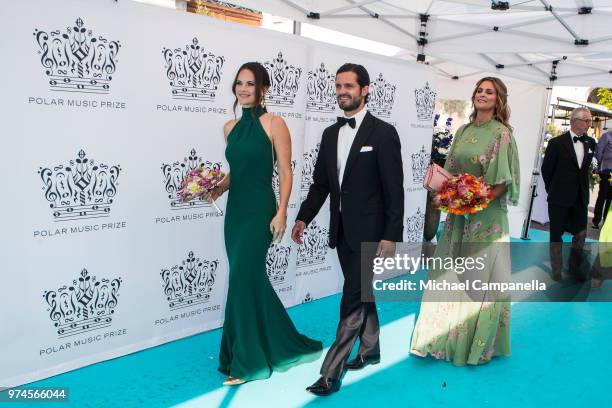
(193, 188)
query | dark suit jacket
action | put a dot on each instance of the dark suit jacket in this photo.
(372, 190)
(565, 182)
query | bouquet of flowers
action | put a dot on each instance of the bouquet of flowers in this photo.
(199, 182)
(464, 194)
(441, 142)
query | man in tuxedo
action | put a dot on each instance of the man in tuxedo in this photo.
(359, 166)
(565, 170)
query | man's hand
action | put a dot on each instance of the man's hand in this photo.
(297, 231)
(386, 249)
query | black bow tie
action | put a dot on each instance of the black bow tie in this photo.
(581, 138)
(343, 121)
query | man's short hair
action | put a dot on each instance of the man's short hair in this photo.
(363, 78)
(576, 112)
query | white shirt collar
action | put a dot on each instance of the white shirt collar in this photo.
(358, 117)
(572, 134)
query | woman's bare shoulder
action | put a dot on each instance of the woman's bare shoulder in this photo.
(229, 125)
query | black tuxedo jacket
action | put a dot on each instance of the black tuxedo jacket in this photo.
(565, 182)
(372, 190)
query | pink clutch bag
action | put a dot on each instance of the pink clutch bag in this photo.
(435, 177)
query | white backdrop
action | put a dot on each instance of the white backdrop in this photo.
(104, 114)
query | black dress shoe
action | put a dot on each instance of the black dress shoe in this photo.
(360, 361)
(324, 386)
(595, 226)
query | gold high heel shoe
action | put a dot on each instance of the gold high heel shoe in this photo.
(233, 381)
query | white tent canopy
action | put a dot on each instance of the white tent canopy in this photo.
(462, 38)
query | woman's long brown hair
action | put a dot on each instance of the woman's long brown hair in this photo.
(502, 110)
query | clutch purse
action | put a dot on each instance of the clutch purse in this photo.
(435, 177)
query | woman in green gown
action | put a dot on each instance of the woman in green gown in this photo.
(258, 335)
(468, 328)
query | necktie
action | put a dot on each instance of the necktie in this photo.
(581, 138)
(343, 121)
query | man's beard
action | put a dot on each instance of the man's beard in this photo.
(350, 105)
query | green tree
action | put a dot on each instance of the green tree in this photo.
(605, 97)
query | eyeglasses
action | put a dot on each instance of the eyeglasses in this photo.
(585, 120)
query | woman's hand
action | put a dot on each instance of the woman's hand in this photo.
(499, 189)
(278, 225)
(218, 191)
(213, 194)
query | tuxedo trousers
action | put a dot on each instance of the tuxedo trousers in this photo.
(358, 318)
(574, 220)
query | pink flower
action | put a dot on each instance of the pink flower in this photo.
(199, 181)
(505, 138)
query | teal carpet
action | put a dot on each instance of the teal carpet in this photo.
(561, 358)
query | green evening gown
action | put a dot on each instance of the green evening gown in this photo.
(458, 328)
(258, 335)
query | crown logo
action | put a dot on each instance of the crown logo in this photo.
(175, 173)
(321, 90)
(88, 304)
(194, 74)
(382, 97)
(314, 250)
(285, 81)
(414, 227)
(80, 190)
(276, 179)
(277, 263)
(309, 159)
(76, 60)
(189, 283)
(420, 161)
(425, 102)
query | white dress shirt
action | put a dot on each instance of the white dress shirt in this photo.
(578, 148)
(346, 136)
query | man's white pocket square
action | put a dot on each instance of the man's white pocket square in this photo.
(366, 149)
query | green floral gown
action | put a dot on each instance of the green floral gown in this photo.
(462, 328)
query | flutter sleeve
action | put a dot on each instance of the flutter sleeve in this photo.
(503, 164)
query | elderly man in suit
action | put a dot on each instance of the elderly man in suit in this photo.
(565, 170)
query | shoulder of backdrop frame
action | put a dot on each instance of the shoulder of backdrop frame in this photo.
(463, 36)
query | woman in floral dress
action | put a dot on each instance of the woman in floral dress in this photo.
(462, 327)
